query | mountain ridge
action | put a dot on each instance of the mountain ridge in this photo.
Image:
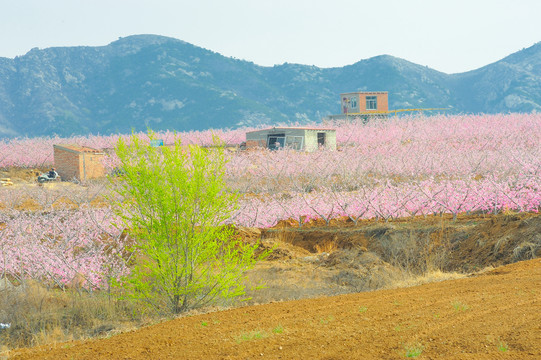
(160, 82)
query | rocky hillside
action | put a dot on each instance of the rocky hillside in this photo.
(164, 83)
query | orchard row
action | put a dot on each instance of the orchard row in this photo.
(450, 145)
(399, 168)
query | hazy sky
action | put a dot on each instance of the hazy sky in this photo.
(447, 35)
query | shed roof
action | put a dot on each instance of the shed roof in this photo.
(78, 148)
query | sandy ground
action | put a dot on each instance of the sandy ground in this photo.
(494, 315)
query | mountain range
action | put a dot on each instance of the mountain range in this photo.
(150, 81)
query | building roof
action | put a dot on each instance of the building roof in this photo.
(292, 127)
(365, 92)
(78, 148)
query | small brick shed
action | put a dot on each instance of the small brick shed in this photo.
(78, 162)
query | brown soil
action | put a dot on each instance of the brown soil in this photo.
(99, 202)
(323, 261)
(64, 202)
(22, 175)
(71, 190)
(469, 243)
(495, 315)
(27, 204)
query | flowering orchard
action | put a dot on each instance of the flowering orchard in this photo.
(402, 167)
(62, 247)
(38, 152)
(386, 200)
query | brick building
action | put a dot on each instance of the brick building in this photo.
(364, 102)
(78, 162)
(363, 105)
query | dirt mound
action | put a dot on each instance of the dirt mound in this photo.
(18, 175)
(500, 240)
(319, 239)
(491, 316)
(470, 243)
(280, 249)
(361, 270)
(321, 261)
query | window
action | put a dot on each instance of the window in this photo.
(294, 142)
(276, 141)
(321, 139)
(371, 103)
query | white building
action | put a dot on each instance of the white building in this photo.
(299, 138)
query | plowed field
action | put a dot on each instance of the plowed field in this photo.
(493, 315)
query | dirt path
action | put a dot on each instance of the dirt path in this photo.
(496, 315)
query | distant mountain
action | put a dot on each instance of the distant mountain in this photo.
(163, 83)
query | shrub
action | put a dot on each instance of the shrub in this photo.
(174, 201)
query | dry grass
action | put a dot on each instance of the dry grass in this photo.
(416, 252)
(285, 236)
(429, 277)
(327, 247)
(39, 315)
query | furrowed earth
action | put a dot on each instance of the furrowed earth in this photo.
(321, 299)
(493, 315)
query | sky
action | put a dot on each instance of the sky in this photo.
(447, 35)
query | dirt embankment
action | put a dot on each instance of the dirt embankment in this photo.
(342, 258)
(470, 243)
(495, 315)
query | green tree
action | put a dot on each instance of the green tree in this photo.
(174, 202)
